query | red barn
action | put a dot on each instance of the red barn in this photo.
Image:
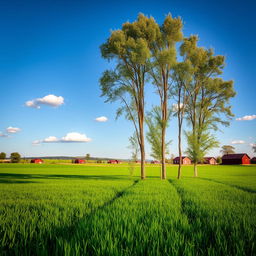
(236, 159)
(36, 161)
(155, 162)
(210, 160)
(253, 160)
(185, 160)
(113, 162)
(79, 161)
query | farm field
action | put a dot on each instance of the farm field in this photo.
(101, 210)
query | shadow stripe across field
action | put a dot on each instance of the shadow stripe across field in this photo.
(231, 185)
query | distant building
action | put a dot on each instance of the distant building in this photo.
(242, 158)
(155, 162)
(185, 160)
(5, 161)
(113, 162)
(253, 160)
(210, 160)
(79, 161)
(36, 161)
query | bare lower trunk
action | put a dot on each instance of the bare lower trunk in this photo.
(163, 176)
(142, 166)
(180, 156)
(180, 162)
(164, 123)
(179, 171)
(195, 169)
(142, 145)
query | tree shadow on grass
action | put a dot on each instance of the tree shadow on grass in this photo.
(8, 181)
(25, 178)
(231, 185)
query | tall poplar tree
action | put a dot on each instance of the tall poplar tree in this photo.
(209, 97)
(129, 48)
(163, 51)
(182, 77)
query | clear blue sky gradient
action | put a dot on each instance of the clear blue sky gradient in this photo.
(52, 47)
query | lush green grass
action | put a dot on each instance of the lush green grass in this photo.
(101, 210)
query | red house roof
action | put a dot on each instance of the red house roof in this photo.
(234, 156)
(36, 160)
(209, 158)
(178, 158)
(79, 161)
(113, 162)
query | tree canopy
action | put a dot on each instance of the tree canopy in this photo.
(227, 149)
(2, 155)
(15, 157)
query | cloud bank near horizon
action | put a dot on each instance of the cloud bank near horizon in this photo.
(49, 100)
(69, 137)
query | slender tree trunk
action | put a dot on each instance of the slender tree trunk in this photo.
(195, 169)
(142, 143)
(180, 156)
(163, 154)
(179, 134)
(194, 135)
(142, 154)
(142, 167)
(164, 122)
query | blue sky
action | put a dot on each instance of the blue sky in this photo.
(52, 48)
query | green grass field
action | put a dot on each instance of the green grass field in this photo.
(101, 210)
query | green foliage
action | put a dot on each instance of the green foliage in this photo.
(15, 157)
(209, 95)
(154, 134)
(227, 149)
(2, 155)
(198, 147)
(87, 157)
(219, 160)
(134, 146)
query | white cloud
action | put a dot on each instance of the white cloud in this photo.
(238, 142)
(69, 137)
(101, 119)
(32, 104)
(13, 129)
(50, 100)
(246, 118)
(75, 137)
(51, 139)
